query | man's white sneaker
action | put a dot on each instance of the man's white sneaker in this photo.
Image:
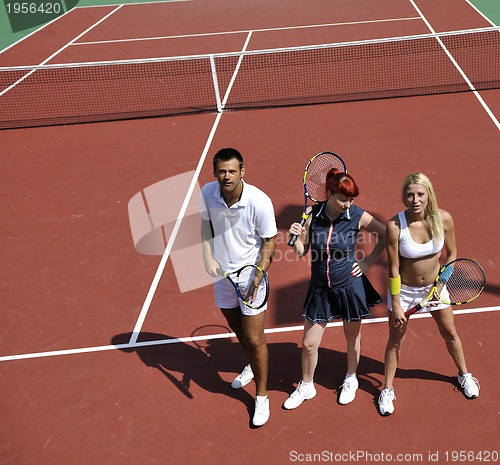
(349, 388)
(262, 412)
(385, 405)
(304, 391)
(469, 384)
(243, 378)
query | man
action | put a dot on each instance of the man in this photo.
(239, 228)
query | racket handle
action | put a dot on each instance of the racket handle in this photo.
(293, 237)
(292, 240)
(413, 310)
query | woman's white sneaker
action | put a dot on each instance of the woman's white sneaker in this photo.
(349, 388)
(385, 402)
(469, 384)
(304, 391)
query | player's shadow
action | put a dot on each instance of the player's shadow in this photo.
(184, 364)
(195, 365)
(370, 373)
(204, 365)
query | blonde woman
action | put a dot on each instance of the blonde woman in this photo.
(415, 238)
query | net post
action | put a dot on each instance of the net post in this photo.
(216, 84)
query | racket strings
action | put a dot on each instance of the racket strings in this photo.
(245, 281)
(465, 283)
(315, 179)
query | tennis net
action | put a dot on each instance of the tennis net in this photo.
(457, 61)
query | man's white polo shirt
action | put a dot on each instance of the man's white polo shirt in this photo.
(239, 230)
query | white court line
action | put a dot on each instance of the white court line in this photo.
(459, 69)
(131, 3)
(246, 31)
(182, 212)
(173, 236)
(135, 345)
(35, 31)
(82, 8)
(58, 51)
(480, 13)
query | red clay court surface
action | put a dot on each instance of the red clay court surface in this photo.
(73, 285)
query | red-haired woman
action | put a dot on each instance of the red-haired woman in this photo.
(338, 288)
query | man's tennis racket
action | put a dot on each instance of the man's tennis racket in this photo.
(251, 284)
(315, 181)
(457, 283)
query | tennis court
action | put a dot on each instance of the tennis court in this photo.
(98, 364)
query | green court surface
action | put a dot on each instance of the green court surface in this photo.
(8, 37)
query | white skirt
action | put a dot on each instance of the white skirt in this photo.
(411, 296)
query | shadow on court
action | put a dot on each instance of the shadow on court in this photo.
(185, 364)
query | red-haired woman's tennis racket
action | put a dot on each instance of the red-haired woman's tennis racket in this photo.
(315, 181)
(457, 283)
(251, 284)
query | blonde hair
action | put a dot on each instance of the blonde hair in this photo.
(432, 216)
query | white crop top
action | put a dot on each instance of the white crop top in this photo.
(408, 248)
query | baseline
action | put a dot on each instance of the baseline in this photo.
(130, 345)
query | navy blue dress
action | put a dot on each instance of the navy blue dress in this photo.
(333, 292)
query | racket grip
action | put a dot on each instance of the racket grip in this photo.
(293, 237)
(413, 310)
(445, 274)
(292, 240)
